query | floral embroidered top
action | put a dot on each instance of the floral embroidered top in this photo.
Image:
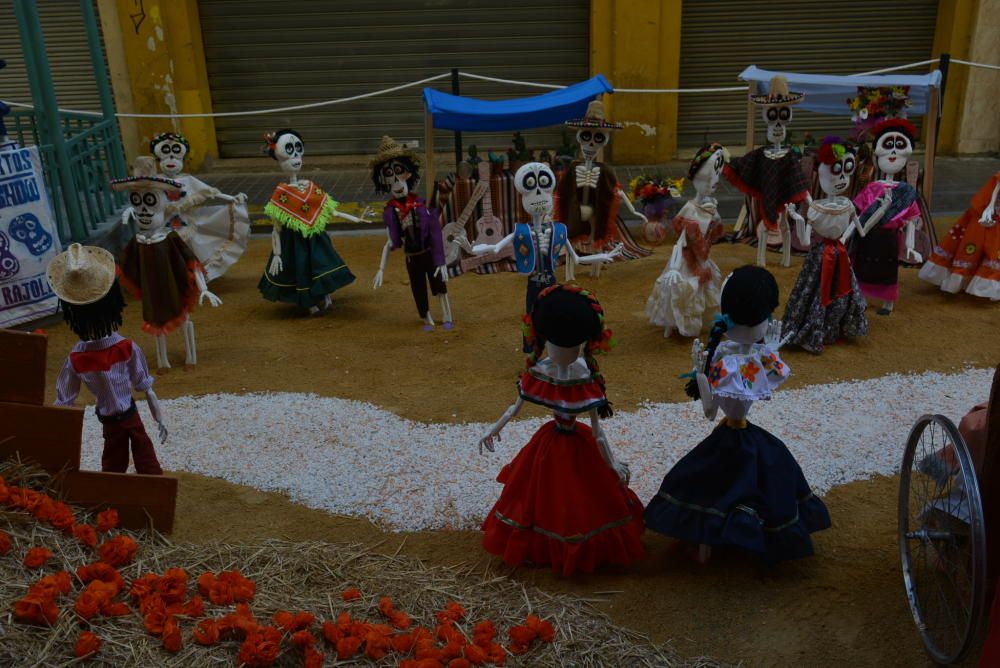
(567, 396)
(749, 376)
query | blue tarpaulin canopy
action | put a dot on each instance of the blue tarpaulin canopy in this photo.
(453, 112)
(828, 94)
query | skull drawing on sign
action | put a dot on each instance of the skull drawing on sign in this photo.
(893, 144)
(535, 182)
(170, 149)
(27, 229)
(9, 266)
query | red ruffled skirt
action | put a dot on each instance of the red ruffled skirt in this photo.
(563, 505)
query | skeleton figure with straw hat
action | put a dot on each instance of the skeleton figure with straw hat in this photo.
(771, 176)
(110, 365)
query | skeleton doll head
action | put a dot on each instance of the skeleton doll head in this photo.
(837, 162)
(395, 170)
(892, 144)
(147, 196)
(535, 182)
(706, 168)
(170, 149)
(287, 148)
(776, 108)
(593, 130)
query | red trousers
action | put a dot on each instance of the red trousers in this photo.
(117, 437)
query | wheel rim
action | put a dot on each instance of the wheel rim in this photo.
(941, 538)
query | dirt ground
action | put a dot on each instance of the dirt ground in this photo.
(843, 607)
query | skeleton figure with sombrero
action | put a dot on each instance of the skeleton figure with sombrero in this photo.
(110, 365)
(156, 265)
(771, 176)
(589, 196)
(413, 226)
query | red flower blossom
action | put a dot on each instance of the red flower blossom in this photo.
(303, 638)
(86, 535)
(453, 611)
(476, 655)
(261, 648)
(348, 646)
(52, 585)
(484, 632)
(195, 607)
(107, 520)
(4, 542)
(172, 587)
(312, 658)
(36, 557)
(172, 635)
(206, 632)
(144, 586)
(36, 609)
(101, 571)
(351, 594)
(459, 663)
(117, 551)
(87, 644)
(332, 633)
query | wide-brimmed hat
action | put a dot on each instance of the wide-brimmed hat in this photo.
(147, 183)
(81, 274)
(777, 93)
(388, 149)
(594, 118)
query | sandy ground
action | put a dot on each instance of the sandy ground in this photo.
(843, 607)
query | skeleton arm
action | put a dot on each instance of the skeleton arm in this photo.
(876, 217)
(619, 467)
(354, 219)
(493, 436)
(592, 259)
(628, 205)
(911, 231)
(698, 358)
(154, 407)
(276, 264)
(203, 291)
(802, 228)
(485, 249)
(377, 283)
(854, 225)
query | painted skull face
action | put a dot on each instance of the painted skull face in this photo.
(535, 182)
(394, 175)
(171, 155)
(27, 229)
(288, 151)
(777, 118)
(891, 152)
(835, 179)
(591, 141)
(148, 206)
(706, 179)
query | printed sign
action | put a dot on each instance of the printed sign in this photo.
(28, 239)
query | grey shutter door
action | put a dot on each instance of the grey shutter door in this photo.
(719, 38)
(69, 57)
(262, 53)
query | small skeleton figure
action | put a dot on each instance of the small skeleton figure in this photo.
(413, 226)
(304, 268)
(108, 364)
(218, 235)
(772, 177)
(686, 295)
(826, 304)
(538, 245)
(740, 486)
(157, 266)
(589, 193)
(888, 210)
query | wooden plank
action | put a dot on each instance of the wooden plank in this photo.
(930, 150)
(22, 367)
(47, 435)
(142, 501)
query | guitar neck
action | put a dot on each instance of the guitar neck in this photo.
(484, 178)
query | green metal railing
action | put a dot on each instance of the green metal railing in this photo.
(80, 153)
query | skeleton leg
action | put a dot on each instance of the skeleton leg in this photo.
(595, 269)
(446, 311)
(761, 245)
(161, 352)
(887, 307)
(786, 241)
(189, 342)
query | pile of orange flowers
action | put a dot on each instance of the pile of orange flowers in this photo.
(163, 602)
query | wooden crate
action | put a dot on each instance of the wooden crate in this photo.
(142, 501)
(22, 367)
(46, 435)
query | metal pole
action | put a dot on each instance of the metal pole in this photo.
(943, 64)
(116, 157)
(458, 133)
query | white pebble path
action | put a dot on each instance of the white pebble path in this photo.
(353, 458)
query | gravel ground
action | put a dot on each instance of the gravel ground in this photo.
(353, 458)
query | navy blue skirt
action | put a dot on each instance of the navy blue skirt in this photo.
(739, 487)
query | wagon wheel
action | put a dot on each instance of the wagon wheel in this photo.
(942, 541)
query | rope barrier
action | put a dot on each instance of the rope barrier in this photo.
(900, 67)
(532, 84)
(974, 64)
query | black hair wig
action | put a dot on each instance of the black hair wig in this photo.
(98, 319)
(274, 137)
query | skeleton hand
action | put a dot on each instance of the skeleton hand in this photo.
(364, 215)
(489, 440)
(241, 198)
(163, 432)
(276, 266)
(615, 252)
(623, 471)
(793, 213)
(885, 201)
(377, 281)
(698, 355)
(212, 299)
(673, 277)
(912, 254)
(442, 273)
(772, 337)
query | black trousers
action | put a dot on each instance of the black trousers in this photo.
(420, 267)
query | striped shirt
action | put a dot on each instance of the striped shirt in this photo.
(110, 367)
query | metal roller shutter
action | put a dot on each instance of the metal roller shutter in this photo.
(262, 53)
(69, 57)
(719, 38)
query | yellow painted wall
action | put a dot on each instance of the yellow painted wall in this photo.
(953, 35)
(159, 67)
(636, 44)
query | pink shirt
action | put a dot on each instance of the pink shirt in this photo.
(110, 367)
(874, 191)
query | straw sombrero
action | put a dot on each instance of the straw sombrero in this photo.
(81, 274)
(388, 149)
(594, 118)
(777, 93)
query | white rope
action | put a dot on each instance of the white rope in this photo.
(532, 84)
(897, 68)
(470, 75)
(975, 64)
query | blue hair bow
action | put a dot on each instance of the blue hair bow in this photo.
(724, 319)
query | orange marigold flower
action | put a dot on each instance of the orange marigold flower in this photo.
(426, 648)
(155, 621)
(195, 607)
(400, 619)
(117, 551)
(206, 632)
(497, 654)
(87, 644)
(205, 582)
(348, 646)
(543, 629)
(475, 654)
(331, 632)
(261, 648)
(234, 586)
(36, 609)
(102, 572)
(61, 517)
(484, 632)
(107, 520)
(4, 542)
(221, 593)
(37, 556)
(86, 535)
(453, 612)
(303, 638)
(87, 605)
(351, 594)
(172, 635)
(52, 586)
(172, 587)
(459, 663)
(151, 603)
(144, 586)
(312, 658)
(402, 642)
(115, 609)
(376, 645)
